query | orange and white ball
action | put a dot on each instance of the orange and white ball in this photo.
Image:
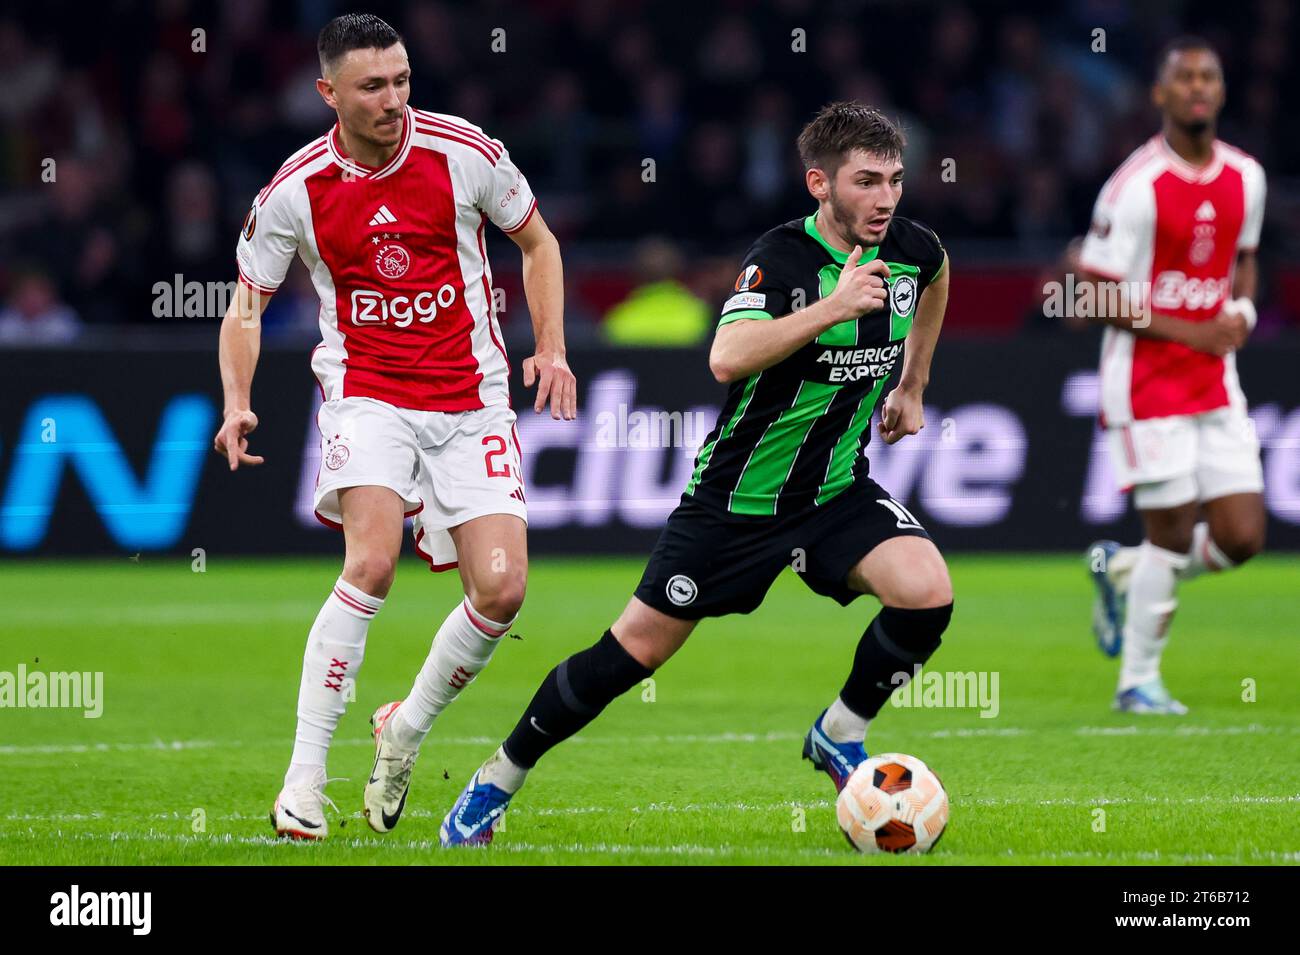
(892, 803)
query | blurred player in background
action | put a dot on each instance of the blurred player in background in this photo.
(387, 211)
(1181, 217)
(824, 308)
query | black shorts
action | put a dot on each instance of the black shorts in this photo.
(708, 563)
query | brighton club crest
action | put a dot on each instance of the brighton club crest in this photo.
(902, 295)
(392, 260)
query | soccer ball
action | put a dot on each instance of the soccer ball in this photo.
(892, 803)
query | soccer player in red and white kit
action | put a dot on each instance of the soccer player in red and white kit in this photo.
(1178, 223)
(388, 211)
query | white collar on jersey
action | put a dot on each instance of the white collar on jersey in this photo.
(361, 171)
(1185, 170)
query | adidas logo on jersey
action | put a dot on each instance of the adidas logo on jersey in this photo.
(384, 217)
(1205, 212)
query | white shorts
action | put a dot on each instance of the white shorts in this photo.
(447, 467)
(1184, 458)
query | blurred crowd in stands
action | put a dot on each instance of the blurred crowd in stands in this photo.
(160, 137)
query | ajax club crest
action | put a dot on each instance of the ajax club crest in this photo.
(337, 454)
(392, 260)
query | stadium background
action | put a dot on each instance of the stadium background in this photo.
(160, 137)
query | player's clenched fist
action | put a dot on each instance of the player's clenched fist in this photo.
(231, 440)
(1224, 333)
(861, 289)
(902, 415)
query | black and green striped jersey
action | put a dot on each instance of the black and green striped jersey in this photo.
(793, 436)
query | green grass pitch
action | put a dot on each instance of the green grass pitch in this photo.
(201, 674)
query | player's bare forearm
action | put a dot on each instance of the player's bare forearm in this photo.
(1128, 315)
(903, 412)
(543, 283)
(1224, 333)
(544, 290)
(1167, 328)
(923, 337)
(1245, 278)
(747, 346)
(239, 345)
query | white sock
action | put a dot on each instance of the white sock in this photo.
(461, 648)
(335, 649)
(1205, 556)
(842, 725)
(1121, 566)
(502, 773)
(1151, 605)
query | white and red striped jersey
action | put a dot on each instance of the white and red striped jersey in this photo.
(397, 256)
(1175, 229)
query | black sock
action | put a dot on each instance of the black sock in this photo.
(896, 641)
(571, 696)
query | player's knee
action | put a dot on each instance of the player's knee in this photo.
(1175, 540)
(1241, 544)
(1171, 530)
(922, 590)
(648, 649)
(371, 571)
(502, 598)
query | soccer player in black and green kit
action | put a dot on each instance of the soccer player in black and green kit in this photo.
(823, 310)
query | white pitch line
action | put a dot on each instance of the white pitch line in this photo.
(155, 615)
(1070, 801)
(599, 848)
(414, 813)
(616, 849)
(652, 739)
(1176, 858)
(1008, 732)
(1249, 729)
(178, 745)
(159, 745)
(688, 808)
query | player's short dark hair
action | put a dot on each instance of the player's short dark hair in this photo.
(841, 127)
(1182, 44)
(353, 31)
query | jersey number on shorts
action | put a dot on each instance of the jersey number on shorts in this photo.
(496, 446)
(906, 520)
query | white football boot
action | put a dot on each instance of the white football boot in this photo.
(298, 812)
(1150, 697)
(390, 780)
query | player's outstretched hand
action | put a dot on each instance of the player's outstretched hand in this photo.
(231, 440)
(903, 414)
(554, 382)
(861, 289)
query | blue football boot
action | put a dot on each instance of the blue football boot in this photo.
(475, 816)
(836, 760)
